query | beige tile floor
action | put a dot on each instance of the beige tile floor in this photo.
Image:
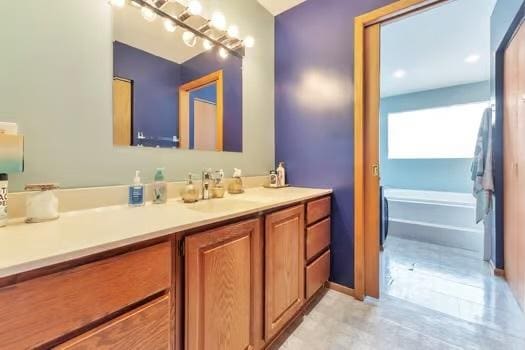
(433, 297)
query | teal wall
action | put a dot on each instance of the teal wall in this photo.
(451, 175)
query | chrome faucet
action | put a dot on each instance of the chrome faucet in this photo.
(205, 185)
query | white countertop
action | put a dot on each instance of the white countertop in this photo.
(25, 247)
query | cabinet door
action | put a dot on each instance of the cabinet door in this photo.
(284, 262)
(224, 288)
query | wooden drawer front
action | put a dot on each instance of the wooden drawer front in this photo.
(317, 210)
(317, 238)
(317, 273)
(147, 327)
(37, 311)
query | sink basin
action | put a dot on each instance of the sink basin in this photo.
(219, 205)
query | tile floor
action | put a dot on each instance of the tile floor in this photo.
(433, 297)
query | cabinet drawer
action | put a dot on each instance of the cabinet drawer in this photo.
(317, 273)
(148, 327)
(317, 238)
(56, 304)
(317, 210)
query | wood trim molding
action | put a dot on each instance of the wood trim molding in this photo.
(378, 16)
(340, 288)
(495, 270)
(184, 107)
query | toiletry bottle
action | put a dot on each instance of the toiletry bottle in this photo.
(136, 192)
(273, 179)
(160, 187)
(3, 200)
(281, 175)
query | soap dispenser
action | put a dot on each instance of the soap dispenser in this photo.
(136, 191)
(190, 194)
(160, 187)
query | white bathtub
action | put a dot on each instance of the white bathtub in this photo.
(446, 218)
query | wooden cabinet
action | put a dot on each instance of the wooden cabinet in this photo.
(235, 287)
(284, 266)
(317, 270)
(57, 304)
(224, 288)
(148, 327)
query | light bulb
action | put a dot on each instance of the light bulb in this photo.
(249, 41)
(195, 7)
(189, 38)
(207, 45)
(169, 25)
(148, 14)
(223, 53)
(118, 3)
(218, 21)
(233, 31)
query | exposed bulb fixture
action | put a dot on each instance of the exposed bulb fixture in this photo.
(148, 14)
(400, 73)
(207, 45)
(117, 3)
(169, 25)
(249, 41)
(189, 38)
(233, 31)
(472, 58)
(223, 53)
(218, 21)
(195, 7)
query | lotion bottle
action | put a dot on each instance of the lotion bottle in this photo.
(3, 200)
(160, 187)
(136, 191)
(281, 175)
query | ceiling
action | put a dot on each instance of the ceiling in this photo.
(430, 48)
(276, 7)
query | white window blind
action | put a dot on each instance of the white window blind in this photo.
(445, 132)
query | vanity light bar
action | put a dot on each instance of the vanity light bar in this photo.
(238, 49)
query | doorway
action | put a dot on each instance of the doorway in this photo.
(367, 125)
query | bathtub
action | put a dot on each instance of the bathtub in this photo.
(446, 218)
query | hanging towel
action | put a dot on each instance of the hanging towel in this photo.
(482, 167)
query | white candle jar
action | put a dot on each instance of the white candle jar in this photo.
(41, 203)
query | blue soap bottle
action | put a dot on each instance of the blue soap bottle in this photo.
(136, 192)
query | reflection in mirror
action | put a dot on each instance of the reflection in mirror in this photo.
(173, 93)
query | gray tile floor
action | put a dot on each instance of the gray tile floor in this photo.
(433, 297)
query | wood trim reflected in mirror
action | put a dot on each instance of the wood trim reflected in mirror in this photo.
(122, 111)
(184, 108)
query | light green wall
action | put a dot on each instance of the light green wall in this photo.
(56, 81)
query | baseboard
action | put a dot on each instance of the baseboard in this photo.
(340, 288)
(495, 270)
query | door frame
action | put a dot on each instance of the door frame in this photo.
(184, 107)
(366, 138)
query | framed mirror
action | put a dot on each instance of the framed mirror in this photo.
(172, 89)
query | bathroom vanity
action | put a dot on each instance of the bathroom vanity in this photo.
(230, 273)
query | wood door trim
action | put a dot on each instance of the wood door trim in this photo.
(184, 92)
(378, 16)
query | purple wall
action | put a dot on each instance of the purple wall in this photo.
(208, 62)
(314, 109)
(155, 90)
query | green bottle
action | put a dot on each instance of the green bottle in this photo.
(160, 187)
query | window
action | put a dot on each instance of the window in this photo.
(445, 132)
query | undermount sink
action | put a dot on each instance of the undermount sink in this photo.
(222, 205)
